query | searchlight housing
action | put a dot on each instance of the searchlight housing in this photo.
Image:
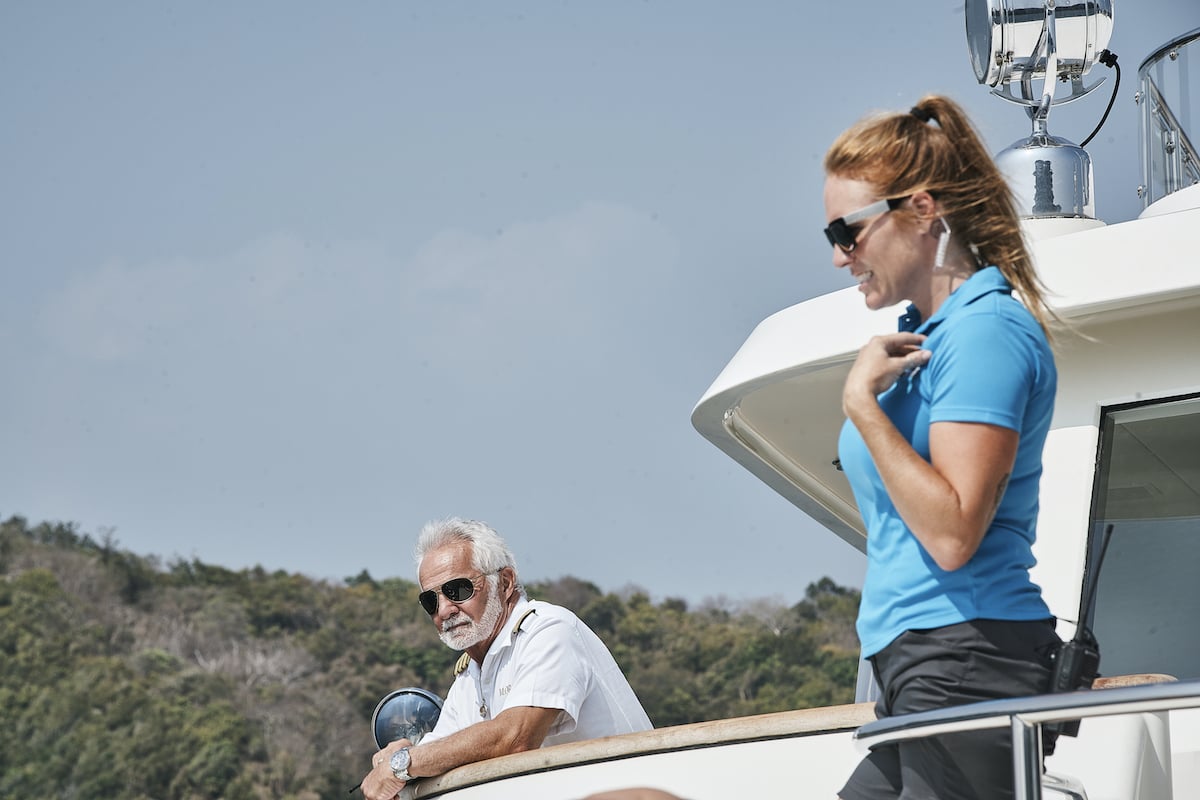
(1014, 43)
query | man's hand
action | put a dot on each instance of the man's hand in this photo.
(380, 783)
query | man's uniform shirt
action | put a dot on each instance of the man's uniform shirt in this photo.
(545, 657)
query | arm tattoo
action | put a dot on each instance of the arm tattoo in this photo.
(1000, 489)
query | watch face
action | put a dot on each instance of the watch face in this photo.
(399, 762)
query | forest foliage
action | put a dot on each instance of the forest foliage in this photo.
(124, 677)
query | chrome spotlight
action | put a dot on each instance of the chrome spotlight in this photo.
(405, 714)
(1019, 41)
(1015, 42)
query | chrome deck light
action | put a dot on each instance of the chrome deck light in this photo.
(1012, 44)
(407, 713)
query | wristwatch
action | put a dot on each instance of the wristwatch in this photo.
(399, 764)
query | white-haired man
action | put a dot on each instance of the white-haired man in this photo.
(531, 675)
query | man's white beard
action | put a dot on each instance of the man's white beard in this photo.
(471, 634)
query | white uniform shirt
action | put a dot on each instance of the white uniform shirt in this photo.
(550, 660)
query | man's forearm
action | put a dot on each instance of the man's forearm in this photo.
(514, 730)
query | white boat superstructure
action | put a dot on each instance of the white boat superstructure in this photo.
(1124, 450)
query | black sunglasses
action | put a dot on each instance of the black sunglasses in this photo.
(458, 590)
(843, 232)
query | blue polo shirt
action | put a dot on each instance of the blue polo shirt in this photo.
(991, 363)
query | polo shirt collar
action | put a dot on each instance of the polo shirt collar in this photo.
(983, 282)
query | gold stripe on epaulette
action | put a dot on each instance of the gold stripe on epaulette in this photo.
(517, 627)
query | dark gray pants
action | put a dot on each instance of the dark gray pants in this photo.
(963, 663)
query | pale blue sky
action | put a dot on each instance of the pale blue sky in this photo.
(281, 281)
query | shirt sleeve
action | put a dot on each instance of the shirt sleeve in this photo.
(983, 370)
(551, 671)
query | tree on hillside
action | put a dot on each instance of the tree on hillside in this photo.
(120, 677)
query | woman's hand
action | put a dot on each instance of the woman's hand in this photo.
(879, 365)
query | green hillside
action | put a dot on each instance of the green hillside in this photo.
(122, 677)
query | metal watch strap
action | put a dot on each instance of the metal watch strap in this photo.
(402, 773)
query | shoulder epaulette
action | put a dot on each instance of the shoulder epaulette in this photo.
(517, 627)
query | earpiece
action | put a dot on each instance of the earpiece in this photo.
(939, 260)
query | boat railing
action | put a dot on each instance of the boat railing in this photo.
(1025, 716)
(1168, 79)
(840, 719)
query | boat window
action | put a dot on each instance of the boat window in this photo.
(1147, 602)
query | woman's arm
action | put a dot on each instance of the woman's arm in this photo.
(947, 502)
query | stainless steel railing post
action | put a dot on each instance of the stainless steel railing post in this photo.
(1027, 759)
